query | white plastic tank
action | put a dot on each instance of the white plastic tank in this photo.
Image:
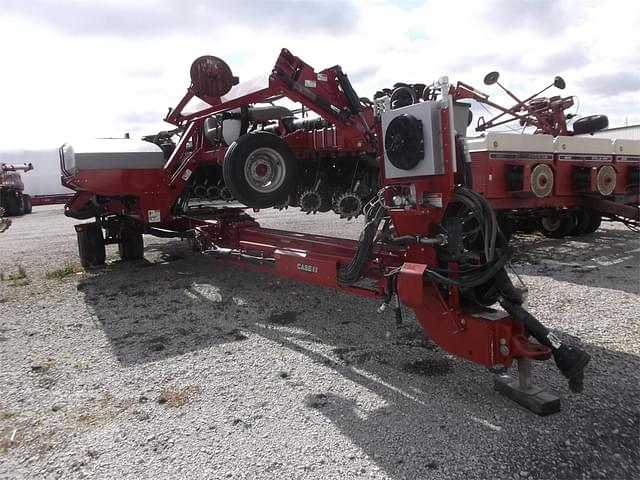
(108, 154)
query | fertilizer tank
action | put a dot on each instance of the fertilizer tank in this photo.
(107, 154)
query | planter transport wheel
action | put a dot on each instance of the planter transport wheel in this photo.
(90, 245)
(13, 203)
(26, 203)
(131, 246)
(595, 219)
(556, 226)
(260, 170)
(581, 221)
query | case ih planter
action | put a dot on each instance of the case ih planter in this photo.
(430, 241)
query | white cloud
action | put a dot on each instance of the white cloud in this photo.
(73, 68)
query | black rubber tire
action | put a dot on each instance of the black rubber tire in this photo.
(590, 124)
(91, 245)
(233, 170)
(26, 202)
(581, 219)
(13, 203)
(506, 226)
(595, 219)
(556, 226)
(131, 246)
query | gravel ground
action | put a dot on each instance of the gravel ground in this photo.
(181, 366)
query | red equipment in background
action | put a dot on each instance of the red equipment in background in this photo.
(429, 241)
(553, 180)
(13, 200)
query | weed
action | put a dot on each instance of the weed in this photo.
(43, 367)
(177, 397)
(81, 365)
(4, 414)
(92, 419)
(5, 443)
(68, 268)
(295, 383)
(17, 279)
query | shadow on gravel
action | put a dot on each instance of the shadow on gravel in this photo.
(608, 255)
(436, 416)
(595, 436)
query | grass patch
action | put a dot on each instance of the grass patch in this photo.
(43, 367)
(295, 383)
(69, 268)
(16, 279)
(177, 397)
(4, 414)
(81, 366)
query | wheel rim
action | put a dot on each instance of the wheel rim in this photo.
(265, 170)
(551, 224)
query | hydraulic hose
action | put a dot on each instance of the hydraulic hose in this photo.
(352, 272)
(571, 361)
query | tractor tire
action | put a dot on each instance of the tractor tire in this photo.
(131, 246)
(90, 245)
(581, 220)
(595, 219)
(26, 203)
(260, 170)
(556, 226)
(590, 124)
(13, 203)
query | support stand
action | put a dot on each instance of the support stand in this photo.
(525, 393)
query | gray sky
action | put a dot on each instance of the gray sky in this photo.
(74, 68)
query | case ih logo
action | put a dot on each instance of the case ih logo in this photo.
(307, 268)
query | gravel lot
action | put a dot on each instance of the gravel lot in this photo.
(181, 366)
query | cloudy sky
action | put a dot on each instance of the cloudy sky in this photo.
(91, 68)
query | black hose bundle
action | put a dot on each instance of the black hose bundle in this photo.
(494, 246)
(351, 273)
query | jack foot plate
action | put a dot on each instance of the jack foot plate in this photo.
(530, 397)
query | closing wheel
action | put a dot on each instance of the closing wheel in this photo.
(557, 225)
(260, 170)
(606, 180)
(581, 220)
(131, 246)
(90, 245)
